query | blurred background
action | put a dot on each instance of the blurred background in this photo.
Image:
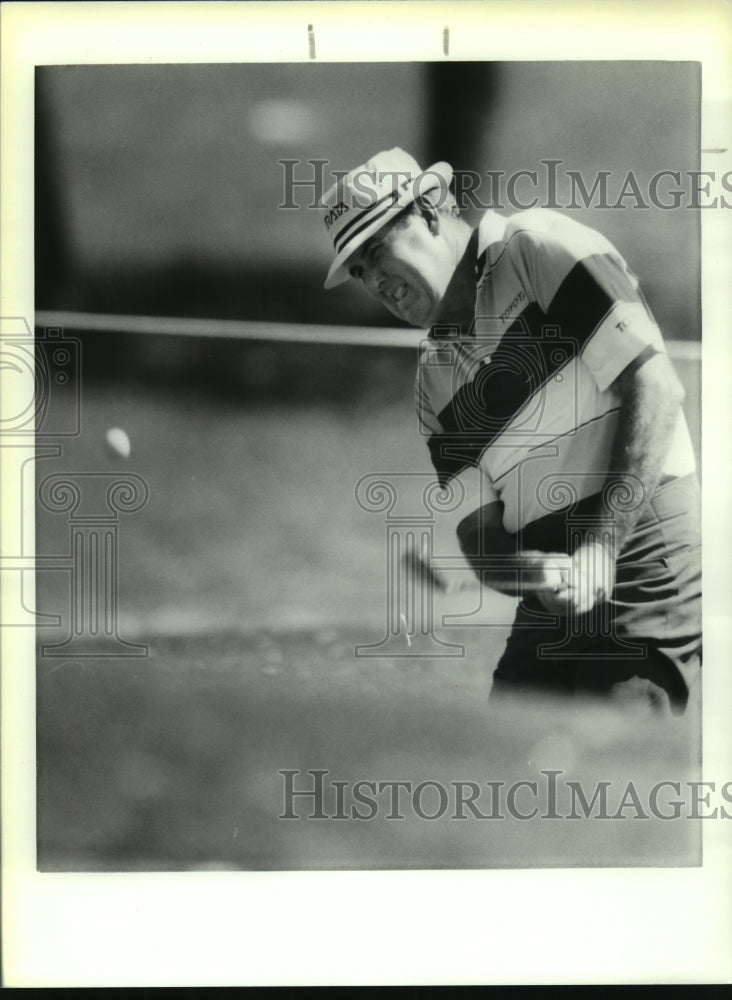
(158, 187)
(252, 572)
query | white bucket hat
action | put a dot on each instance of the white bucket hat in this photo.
(370, 196)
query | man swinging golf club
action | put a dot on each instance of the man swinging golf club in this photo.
(544, 391)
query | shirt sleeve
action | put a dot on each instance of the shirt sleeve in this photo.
(589, 296)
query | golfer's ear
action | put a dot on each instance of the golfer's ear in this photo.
(429, 213)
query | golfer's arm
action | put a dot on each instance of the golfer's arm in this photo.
(651, 397)
(492, 552)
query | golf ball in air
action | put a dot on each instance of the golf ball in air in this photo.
(117, 443)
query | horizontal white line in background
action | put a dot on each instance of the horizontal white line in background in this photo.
(303, 333)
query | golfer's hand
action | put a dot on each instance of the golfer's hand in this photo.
(591, 580)
(546, 574)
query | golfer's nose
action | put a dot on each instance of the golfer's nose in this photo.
(373, 280)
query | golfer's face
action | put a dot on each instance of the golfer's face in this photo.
(401, 267)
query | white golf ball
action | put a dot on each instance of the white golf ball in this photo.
(117, 443)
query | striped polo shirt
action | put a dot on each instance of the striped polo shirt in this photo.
(520, 408)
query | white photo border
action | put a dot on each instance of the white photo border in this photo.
(456, 927)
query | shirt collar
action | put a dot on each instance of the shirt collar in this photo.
(455, 318)
(492, 229)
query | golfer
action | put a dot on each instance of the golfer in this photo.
(546, 397)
